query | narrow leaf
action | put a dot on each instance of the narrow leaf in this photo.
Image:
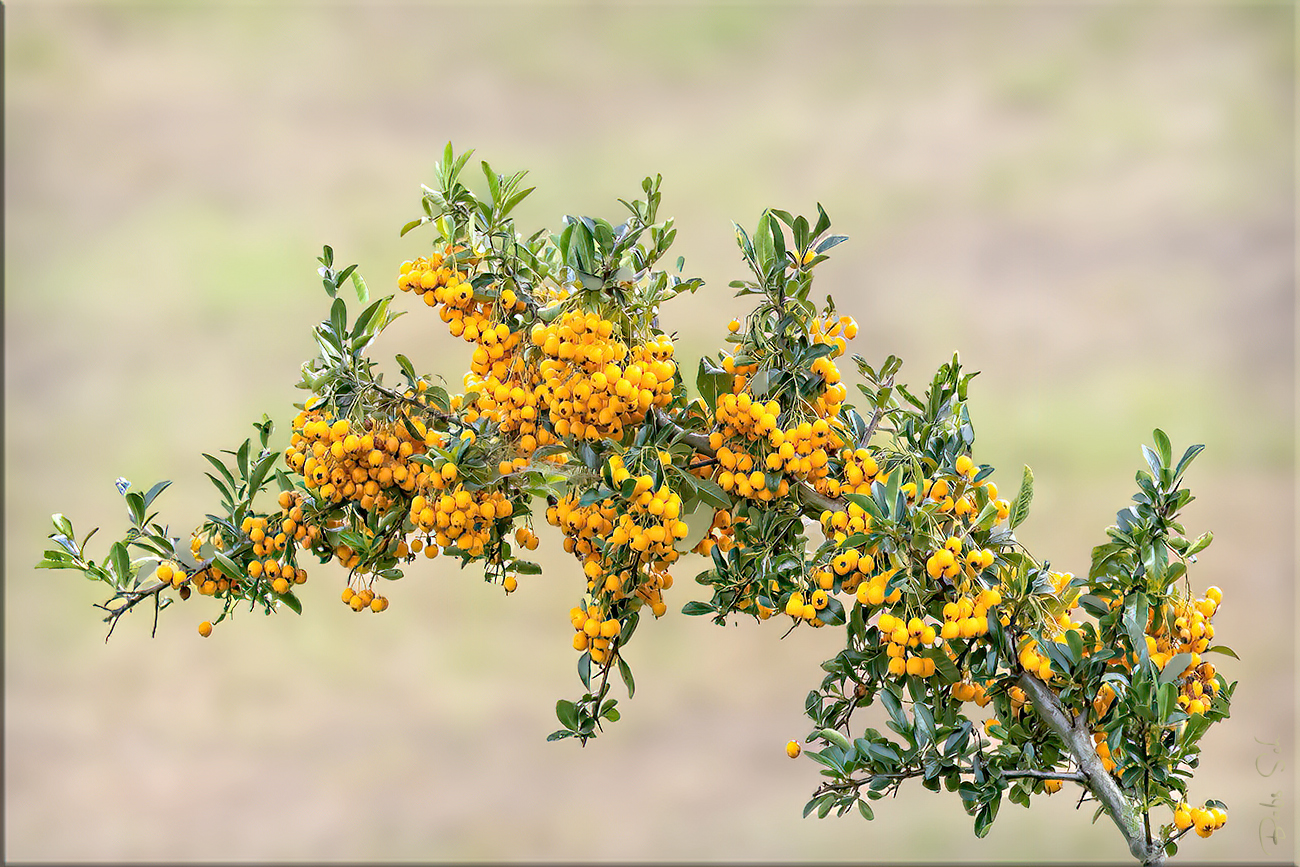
(1020, 506)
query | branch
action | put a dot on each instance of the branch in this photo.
(877, 415)
(918, 771)
(134, 598)
(1074, 732)
(1071, 776)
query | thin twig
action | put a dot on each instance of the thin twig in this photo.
(877, 415)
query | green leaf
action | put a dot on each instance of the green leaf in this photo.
(943, 666)
(339, 318)
(61, 523)
(867, 504)
(282, 481)
(1094, 606)
(121, 561)
(1174, 667)
(567, 713)
(290, 601)
(1202, 542)
(514, 200)
(764, 246)
(1223, 649)
(1020, 506)
(67, 544)
(135, 505)
(413, 225)
(151, 495)
(818, 803)
(1153, 461)
(695, 608)
(625, 671)
(924, 722)
(836, 738)
(895, 709)
(241, 459)
(227, 566)
(225, 474)
(1163, 447)
(710, 492)
(711, 381)
(1075, 641)
(1186, 459)
(259, 472)
(494, 183)
(830, 242)
(984, 818)
(584, 669)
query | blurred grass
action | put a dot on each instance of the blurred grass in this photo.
(1094, 205)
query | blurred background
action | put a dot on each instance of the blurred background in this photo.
(1093, 204)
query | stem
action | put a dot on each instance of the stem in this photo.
(133, 598)
(1074, 732)
(1070, 776)
(877, 415)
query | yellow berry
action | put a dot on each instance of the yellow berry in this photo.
(792, 749)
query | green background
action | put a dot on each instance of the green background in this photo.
(1094, 204)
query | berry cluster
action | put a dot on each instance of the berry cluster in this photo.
(1205, 819)
(1191, 632)
(593, 385)
(721, 533)
(902, 635)
(459, 517)
(368, 463)
(365, 600)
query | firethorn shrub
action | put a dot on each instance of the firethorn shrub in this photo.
(1001, 679)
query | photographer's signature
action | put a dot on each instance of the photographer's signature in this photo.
(1266, 765)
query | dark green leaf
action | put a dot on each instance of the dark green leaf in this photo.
(625, 671)
(1186, 459)
(567, 713)
(895, 708)
(153, 493)
(338, 318)
(135, 505)
(121, 561)
(259, 472)
(709, 492)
